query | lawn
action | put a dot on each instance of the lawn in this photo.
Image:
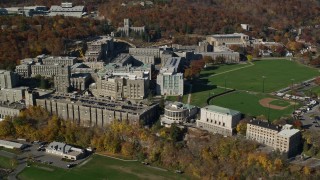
(315, 89)
(100, 167)
(248, 103)
(202, 88)
(266, 75)
(281, 103)
(5, 162)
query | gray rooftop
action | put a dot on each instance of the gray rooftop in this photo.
(222, 110)
(10, 143)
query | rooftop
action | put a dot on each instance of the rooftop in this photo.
(221, 110)
(100, 103)
(265, 124)
(15, 105)
(10, 143)
(288, 132)
(228, 35)
(179, 106)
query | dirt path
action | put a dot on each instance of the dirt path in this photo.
(251, 64)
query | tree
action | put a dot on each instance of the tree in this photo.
(6, 128)
(242, 127)
(208, 59)
(220, 60)
(176, 133)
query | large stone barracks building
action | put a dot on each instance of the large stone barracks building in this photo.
(89, 111)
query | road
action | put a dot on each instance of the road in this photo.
(308, 118)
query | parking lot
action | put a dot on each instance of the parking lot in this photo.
(34, 154)
(309, 119)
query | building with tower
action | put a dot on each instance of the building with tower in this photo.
(127, 28)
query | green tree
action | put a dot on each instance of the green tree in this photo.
(242, 127)
(6, 128)
(176, 134)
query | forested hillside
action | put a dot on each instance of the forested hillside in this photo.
(28, 37)
(171, 17)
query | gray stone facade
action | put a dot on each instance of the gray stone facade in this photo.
(122, 87)
(127, 28)
(8, 79)
(80, 81)
(145, 52)
(99, 49)
(59, 60)
(13, 94)
(97, 112)
(10, 109)
(62, 79)
(169, 80)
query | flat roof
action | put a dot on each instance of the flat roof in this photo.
(10, 143)
(288, 132)
(14, 105)
(221, 110)
(100, 103)
(265, 124)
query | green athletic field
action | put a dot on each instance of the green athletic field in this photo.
(248, 103)
(265, 75)
(254, 81)
(99, 167)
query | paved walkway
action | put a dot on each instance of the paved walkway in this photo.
(22, 163)
(250, 64)
(116, 158)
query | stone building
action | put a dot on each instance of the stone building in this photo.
(13, 94)
(67, 9)
(88, 111)
(283, 138)
(59, 60)
(62, 79)
(81, 68)
(123, 59)
(99, 49)
(229, 56)
(139, 59)
(24, 70)
(119, 87)
(238, 39)
(10, 109)
(178, 113)
(145, 52)
(45, 70)
(8, 79)
(64, 151)
(218, 120)
(169, 80)
(127, 28)
(80, 81)
(128, 70)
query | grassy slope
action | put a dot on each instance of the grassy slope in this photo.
(5, 162)
(100, 168)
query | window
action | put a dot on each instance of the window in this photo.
(224, 124)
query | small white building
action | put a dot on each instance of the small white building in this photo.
(64, 150)
(219, 120)
(177, 112)
(11, 145)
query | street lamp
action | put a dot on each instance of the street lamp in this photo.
(292, 86)
(225, 84)
(263, 79)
